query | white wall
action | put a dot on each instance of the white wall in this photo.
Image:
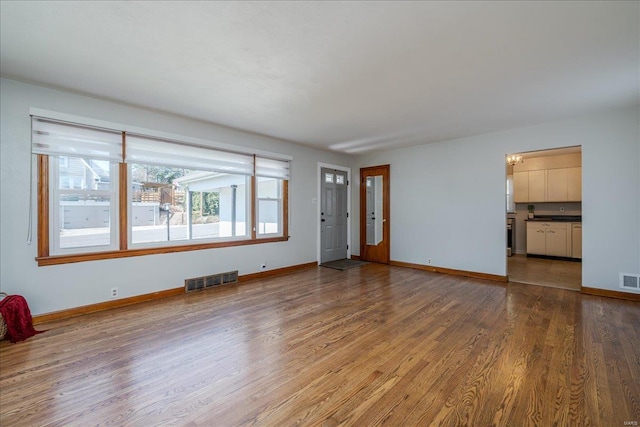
(447, 198)
(54, 288)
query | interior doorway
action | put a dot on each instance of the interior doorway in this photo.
(375, 209)
(544, 217)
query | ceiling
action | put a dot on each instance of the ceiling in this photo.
(344, 76)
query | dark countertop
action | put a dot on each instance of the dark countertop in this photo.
(557, 218)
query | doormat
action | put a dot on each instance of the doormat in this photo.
(344, 264)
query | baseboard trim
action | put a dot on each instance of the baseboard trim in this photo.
(355, 257)
(123, 302)
(277, 271)
(106, 305)
(454, 272)
(610, 294)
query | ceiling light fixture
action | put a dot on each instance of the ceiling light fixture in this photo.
(514, 159)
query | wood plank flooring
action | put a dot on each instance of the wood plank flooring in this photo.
(374, 345)
(545, 272)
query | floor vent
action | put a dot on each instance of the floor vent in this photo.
(630, 282)
(206, 282)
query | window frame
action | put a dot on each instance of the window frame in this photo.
(122, 206)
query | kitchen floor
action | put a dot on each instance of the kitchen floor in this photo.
(545, 272)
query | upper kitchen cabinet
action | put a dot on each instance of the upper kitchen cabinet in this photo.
(564, 185)
(574, 184)
(530, 186)
(537, 185)
(557, 185)
(548, 179)
(520, 187)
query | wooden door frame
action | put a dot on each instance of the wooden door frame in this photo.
(386, 209)
(318, 201)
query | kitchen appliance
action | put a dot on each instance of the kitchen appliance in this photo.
(511, 245)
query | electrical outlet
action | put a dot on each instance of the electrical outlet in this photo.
(562, 209)
(263, 265)
(429, 261)
(114, 292)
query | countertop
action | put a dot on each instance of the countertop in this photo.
(556, 218)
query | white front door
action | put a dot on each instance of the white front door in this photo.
(333, 215)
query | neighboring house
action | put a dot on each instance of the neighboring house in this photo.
(77, 210)
(79, 173)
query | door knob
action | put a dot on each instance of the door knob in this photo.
(322, 220)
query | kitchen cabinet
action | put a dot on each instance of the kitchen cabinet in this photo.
(536, 239)
(537, 186)
(548, 238)
(557, 240)
(529, 186)
(574, 184)
(557, 185)
(564, 185)
(576, 240)
(521, 187)
(548, 185)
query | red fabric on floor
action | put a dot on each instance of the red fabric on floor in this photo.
(17, 316)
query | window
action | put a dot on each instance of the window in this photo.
(84, 215)
(177, 205)
(271, 176)
(187, 192)
(82, 206)
(511, 206)
(269, 206)
(107, 194)
(328, 178)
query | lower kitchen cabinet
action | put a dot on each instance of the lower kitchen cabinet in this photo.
(576, 240)
(557, 240)
(536, 239)
(549, 238)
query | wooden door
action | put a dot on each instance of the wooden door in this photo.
(375, 218)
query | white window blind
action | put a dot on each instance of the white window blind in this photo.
(271, 168)
(52, 137)
(147, 150)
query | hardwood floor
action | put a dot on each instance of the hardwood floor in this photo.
(545, 272)
(374, 345)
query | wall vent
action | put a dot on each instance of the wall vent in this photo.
(630, 282)
(206, 282)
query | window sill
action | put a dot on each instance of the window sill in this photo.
(96, 256)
